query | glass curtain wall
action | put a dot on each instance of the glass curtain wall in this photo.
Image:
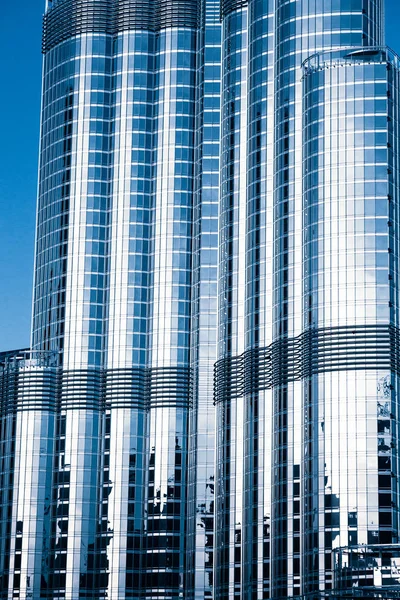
(351, 245)
(301, 28)
(258, 299)
(231, 323)
(171, 394)
(28, 422)
(126, 421)
(69, 301)
(259, 353)
(173, 145)
(204, 305)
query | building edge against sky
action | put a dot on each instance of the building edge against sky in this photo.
(161, 123)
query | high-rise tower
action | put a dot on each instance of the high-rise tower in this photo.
(307, 376)
(218, 223)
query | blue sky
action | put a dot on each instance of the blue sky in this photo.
(20, 63)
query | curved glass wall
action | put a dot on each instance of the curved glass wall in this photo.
(73, 201)
(300, 30)
(113, 290)
(351, 253)
(170, 310)
(258, 299)
(269, 253)
(107, 462)
(69, 302)
(127, 317)
(204, 307)
(232, 244)
(28, 422)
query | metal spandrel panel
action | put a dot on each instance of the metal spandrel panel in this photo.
(70, 18)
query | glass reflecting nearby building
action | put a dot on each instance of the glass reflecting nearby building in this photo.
(295, 329)
(209, 408)
(350, 307)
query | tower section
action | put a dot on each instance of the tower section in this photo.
(231, 303)
(113, 290)
(258, 300)
(350, 317)
(301, 28)
(69, 305)
(171, 380)
(70, 282)
(258, 377)
(29, 400)
(204, 330)
(128, 280)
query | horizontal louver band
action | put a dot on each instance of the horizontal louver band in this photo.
(55, 389)
(69, 18)
(170, 386)
(33, 389)
(127, 388)
(82, 388)
(315, 351)
(149, 388)
(229, 6)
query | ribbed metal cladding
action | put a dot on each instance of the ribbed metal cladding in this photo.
(37, 390)
(70, 18)
(229, 6)
(28, 381)
(28, 390)
(52, 388)
(8, 391)
(132, 14)
(316, 351)
(171, 386)
(149, 388)
(176, 13)
(82, 388)
(127, 388)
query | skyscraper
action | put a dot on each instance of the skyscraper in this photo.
(307, 445)
(209, 408)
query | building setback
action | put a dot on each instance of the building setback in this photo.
(209, 408)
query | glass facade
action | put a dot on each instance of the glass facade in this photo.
(209, 408)
(273, 534)
(230, 459)
(203, 348)
(301, 29)
(350, 433)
